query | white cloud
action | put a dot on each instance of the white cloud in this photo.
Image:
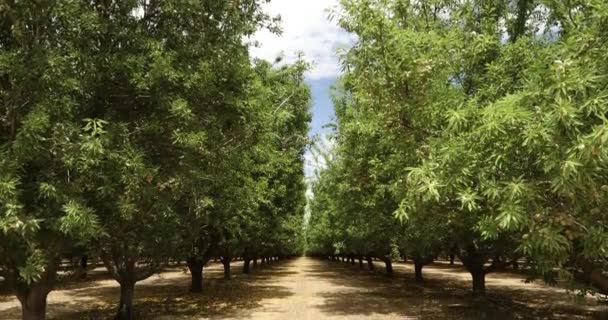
(307, 29)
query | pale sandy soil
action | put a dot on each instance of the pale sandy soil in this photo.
(306, 288)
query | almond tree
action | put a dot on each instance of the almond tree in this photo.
(46, 144)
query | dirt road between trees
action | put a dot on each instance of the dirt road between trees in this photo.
(307, 288)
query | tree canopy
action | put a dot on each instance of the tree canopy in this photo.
(142, 132)
(479, 126)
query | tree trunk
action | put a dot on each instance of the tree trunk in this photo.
(515, 265)
(246, 263)
(452, 257)
(479, 283)
(83, 264)
(33, 303)
(361, 262)
(370, 263)
(196, 271)
(125, 308)
(418, 269)
(226, 264)
(33, 296)
(255, 262)
(389, 266)
(474, 262)
(593, 275)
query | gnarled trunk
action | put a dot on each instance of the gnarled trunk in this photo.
(33, 296)
(33, 302)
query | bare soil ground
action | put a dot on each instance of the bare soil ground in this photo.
(306, 288)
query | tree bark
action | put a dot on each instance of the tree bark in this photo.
(452, 257)
(33, 302)
(370, 263)
(246, 268)
(33, 296)
(593, 275)
(361, 262)
(196, 271)
(474, 262)
(388, 266)
(418, 270)
(255, 262)
(83, 264)
(127, 293)
(226, 263)
(479, 283)
(419, 263)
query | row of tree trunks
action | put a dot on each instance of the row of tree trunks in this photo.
(197, 265)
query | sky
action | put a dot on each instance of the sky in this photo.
(307, 30)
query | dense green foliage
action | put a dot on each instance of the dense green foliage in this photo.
(480, 126)
(141, 131)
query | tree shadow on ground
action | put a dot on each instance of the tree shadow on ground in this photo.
(167, 296)
(440, 297)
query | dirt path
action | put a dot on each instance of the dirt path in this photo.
(306, 288)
